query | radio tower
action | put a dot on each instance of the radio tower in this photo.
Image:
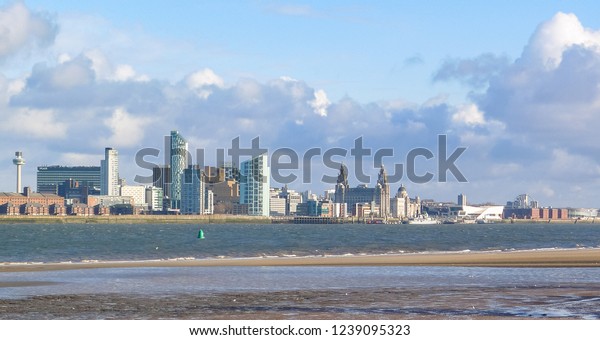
(19, 161)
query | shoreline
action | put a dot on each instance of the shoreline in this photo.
(218, 219)
(522, 258)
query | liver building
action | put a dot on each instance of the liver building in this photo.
(378, 197)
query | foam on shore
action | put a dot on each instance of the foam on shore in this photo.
(523, 258)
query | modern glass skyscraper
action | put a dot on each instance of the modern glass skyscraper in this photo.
(109, 173)
(192, 191)
(254, 185)
(178, 155)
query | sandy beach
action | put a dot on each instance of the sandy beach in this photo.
(533, 258)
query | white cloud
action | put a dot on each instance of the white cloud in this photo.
(105, 70)
(320, 103)
(531, 124)
(550, 96)
(202, 82)
(552, 38)
(127, 130)
(468, 114)
(248, 91)
(32, 123)
(20, 28)
(71, 74)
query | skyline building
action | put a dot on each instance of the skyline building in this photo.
(462, 200)
(255, 185)
(178, 158)
(384, 191)
(154, 198)
(49, 178)
(161, 178)
(109, 173)
(404, 207)
(192, 191)
(379, 196)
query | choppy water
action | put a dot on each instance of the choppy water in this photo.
(76, 242)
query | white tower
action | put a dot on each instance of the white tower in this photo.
(109, 173)
(19, 161)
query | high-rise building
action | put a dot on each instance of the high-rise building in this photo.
(49, 178)
(462, 200)
(209, 202)
(161, 178)
(192, 191)
(109, 173)
(254, 185)
(178, 157)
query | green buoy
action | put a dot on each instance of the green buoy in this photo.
(201, 234)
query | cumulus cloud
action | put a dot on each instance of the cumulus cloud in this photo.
(21, 28)
(552, 93)
(553, 37)
(536, 117)
(202, 81)
(126, 129)
(34, 124)
(320, 103)
(468, 114)
(523, 120)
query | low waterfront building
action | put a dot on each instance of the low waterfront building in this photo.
(583, 213)
(114, 205)
(277, 204)
(154, 198)
(536, 213)
(28, 203)
(138, 192)
(485, 213)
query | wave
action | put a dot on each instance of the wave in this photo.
(277, 256)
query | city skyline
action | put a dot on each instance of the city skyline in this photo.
(516, 84)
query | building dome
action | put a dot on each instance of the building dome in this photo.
(402, 192)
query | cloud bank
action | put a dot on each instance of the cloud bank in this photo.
(530, 124)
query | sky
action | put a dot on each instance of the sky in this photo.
(515, 83)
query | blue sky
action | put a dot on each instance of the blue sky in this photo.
(514, 82)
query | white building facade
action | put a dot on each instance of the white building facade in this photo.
(109, 173)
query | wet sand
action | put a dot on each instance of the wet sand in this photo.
(533, 258)
(520, 302)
